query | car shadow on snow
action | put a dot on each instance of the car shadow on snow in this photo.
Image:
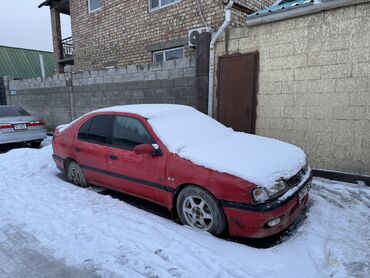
(8, 147)
(163, 212)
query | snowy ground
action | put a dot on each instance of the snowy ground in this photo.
(50, 228)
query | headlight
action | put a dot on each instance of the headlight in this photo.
(260, 195)
(263, 194)
(279, 187)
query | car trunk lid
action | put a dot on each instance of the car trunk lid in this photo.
(20, 123)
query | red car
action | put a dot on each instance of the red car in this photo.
(213, 178)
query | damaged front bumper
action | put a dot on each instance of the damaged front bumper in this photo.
(266, 219)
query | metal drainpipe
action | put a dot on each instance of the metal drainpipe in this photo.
(212, 56)
(42, 66)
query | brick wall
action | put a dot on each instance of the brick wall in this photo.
(63, 97)
(314, 84)
(121, 31)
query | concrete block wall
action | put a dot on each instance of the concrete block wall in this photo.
(48, 98)
(314, 84)
(64, 97)
(167, 82)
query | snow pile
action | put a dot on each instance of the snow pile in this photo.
(42, 214)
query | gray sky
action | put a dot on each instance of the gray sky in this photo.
(23, 24)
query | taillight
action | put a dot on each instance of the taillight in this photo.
(4, 126)
(36, 123)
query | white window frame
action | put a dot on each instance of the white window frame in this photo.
(96, 10)
(160, 5)
(166, 50)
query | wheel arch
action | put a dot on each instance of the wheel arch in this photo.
(182, 187)
(66, 162)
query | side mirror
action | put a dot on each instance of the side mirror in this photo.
(145, 149)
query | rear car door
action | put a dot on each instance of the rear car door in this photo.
(140, 175)
(91, 148)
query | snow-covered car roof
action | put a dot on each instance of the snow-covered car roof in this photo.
(147, 110)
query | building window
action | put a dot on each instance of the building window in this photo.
(168, 54)
(94, 5)
(157, 4)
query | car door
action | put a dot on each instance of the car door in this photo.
(140, 175)
(91, 148)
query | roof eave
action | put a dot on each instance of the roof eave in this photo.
(60, 5)
(300, 10)
(45, 3)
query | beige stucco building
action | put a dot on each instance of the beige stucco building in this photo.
(313, 81)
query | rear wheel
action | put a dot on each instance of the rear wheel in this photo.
(35, 144)
(199, 209)
(75, 175)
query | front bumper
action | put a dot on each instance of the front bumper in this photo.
(250, 221)
(22, 136)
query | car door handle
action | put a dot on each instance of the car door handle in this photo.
(113, 157)
(78, 150)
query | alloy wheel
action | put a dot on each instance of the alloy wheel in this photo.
(197, 213)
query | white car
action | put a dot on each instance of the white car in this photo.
(19, 126)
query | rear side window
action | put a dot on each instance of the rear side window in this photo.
(12, 111)
(84, 129)
(97, 130)
(129, 132)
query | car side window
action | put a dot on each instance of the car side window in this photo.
(129, 132)
(97, 130)
(84, 129)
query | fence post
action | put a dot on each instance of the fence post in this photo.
(69, 88)
(202, 69)
(7, 80)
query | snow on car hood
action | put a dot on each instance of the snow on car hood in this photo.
(206, 142)
(259, 160)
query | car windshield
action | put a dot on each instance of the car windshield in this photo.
(12, 111)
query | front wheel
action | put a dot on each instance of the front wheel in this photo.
(75, 175)
(199, 209)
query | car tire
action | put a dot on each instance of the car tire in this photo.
(75, 175)
(35, 144)
(199, 209)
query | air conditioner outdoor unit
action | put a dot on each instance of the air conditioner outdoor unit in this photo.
(194, 34)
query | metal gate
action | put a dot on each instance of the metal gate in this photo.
(237, 91)
(2, 92)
